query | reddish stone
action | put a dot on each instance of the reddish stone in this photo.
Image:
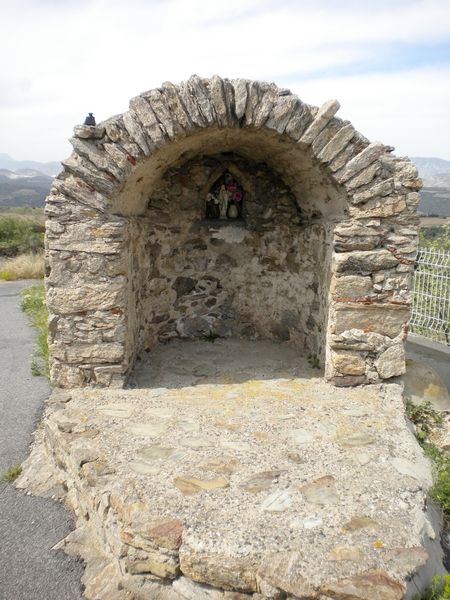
(370, 585)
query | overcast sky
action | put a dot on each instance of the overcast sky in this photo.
(387, 62)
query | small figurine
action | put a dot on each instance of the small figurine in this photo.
(223, 201)
(233, 212)
(212, 210)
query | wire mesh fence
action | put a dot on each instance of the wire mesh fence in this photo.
(431, 305)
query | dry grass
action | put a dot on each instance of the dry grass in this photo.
(24, 266)
(24, 213)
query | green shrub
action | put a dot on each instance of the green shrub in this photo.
(425, 418)
(20, 233)
(439, 589)
(33, 304)
(11, 474)
(435, 236)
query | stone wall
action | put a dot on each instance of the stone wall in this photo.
(115, 262)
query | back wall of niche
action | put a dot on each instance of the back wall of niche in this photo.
(224, 249)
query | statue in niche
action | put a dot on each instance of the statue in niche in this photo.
(224, 201)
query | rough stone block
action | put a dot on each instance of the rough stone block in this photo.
(364, 177)
(348, 363)
(146, 115)
(371, 585)
(102, 296)
(352, 286)
(391, 362)
(218, 98)
(177, 109)
(136, 132)
(336, 144)
(162, 112)
(382, 188)
(95, 178)
(362, 160)
(364, 262)
(199, 93)
(379, 207)
(78, 353)
(97, 156)
(89, 131)
(386, 319)
(282, 112)
(240, 96)
(325, 114)
(300, 121)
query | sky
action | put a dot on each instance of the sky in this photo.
(386, 61)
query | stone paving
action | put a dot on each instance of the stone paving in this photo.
(233, 465)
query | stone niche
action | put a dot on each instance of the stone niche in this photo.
(314, 246)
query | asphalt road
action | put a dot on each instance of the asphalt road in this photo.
(29, 527)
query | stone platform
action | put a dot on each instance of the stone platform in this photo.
(231, 470)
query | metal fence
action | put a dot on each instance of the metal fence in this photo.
(431, 305)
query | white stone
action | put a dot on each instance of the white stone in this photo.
(277, 501)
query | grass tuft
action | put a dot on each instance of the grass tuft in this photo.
(439, 589)
(33, 304)
(23, 266)
(425, 418)
(11, 474)
(314, 361)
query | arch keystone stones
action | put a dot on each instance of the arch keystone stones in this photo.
(346, 198)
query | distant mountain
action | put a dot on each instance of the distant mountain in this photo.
(435, 172)
(48, 168)
(27, 182)
(25, 187)
(435, 201)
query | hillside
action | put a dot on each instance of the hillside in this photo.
(435, 201)
(27, 183)
(435, 172)
(25, 187)
(47, 168)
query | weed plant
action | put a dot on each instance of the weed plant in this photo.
(439, 589)
(11, 474)
(33, 304)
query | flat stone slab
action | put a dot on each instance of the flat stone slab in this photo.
(273, 483)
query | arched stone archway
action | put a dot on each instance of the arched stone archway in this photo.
(329, 227)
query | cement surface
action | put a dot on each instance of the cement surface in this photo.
(247, 447)
(29, 527)
(434, 354)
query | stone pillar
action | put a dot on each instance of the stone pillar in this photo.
(86, 279)
(372, 267)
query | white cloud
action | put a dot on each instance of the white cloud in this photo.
(62, 59)
(408, 110)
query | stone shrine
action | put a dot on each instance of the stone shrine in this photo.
(219, 208)
(229, 211)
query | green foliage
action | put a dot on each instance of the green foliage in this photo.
(435, 236)
(21, 234)
(211, 337)
(11, 474)
(425, 418)
(33, 304)
(440, 490)
(432, 284)
(439, 589)
(313, 360)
